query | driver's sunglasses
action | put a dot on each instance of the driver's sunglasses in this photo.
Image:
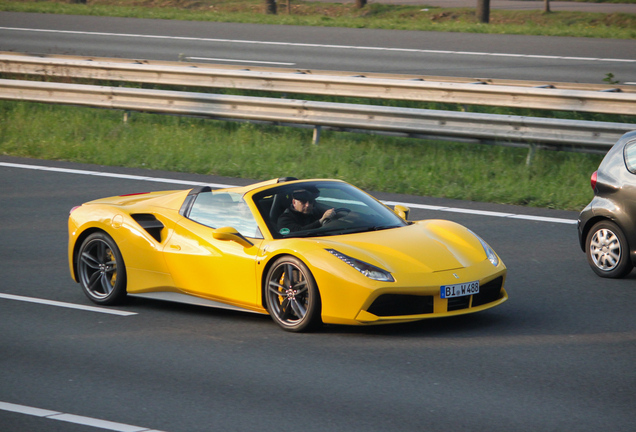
(304, 201)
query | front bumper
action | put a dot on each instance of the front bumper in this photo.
(393, 308)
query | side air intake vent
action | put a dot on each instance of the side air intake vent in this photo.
(150, 223)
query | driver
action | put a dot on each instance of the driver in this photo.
(302, 214)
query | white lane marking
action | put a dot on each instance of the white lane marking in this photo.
(240, 61)
(309, 45)
(114, 175)
(460, 210)
(185, 182)
(484, 213)
(66, 305)
(21, 409)
(71, 418)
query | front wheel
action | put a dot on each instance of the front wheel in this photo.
(607, 250)
(292, 296)
(101, 269)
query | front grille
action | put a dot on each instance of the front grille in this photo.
(456, 303)
(489, 292)
(401, 304)
(407, 304)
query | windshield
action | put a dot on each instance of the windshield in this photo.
(322, 209)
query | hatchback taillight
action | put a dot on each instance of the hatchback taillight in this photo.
(593, 180)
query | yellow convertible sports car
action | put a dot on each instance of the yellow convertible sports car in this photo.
(305, 252)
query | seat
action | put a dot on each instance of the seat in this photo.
(281, 202)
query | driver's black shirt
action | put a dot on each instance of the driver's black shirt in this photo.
(296, 221)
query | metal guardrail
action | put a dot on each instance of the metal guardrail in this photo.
(188, 62)
(599, 99)
(430, 123)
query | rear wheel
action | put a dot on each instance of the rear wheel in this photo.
(607, 250)
(292, 296)
(101, 269)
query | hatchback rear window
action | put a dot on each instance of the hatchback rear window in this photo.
(630, 157)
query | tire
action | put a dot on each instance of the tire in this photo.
(101, 269)
(607, 251)
(291, 295)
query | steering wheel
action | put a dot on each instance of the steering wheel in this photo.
(344, 210)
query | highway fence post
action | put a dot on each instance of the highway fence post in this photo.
(316, 138)
(483, 11)
(531, 151)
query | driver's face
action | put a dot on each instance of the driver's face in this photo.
(303, 206)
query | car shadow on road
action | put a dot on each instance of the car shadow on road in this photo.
(458, 326)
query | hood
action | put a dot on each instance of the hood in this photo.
(423, 247)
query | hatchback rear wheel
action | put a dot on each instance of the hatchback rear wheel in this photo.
(607, 250)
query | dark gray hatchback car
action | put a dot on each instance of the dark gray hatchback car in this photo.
(607, 226)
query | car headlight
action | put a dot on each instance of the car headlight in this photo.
(370, 271)
(490, 253)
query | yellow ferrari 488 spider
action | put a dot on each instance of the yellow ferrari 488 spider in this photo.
(305, 252)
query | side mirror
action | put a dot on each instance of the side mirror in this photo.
(402, 211)
(231, 234)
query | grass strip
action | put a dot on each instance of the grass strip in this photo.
(558, 180)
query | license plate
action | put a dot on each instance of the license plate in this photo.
(459, 290)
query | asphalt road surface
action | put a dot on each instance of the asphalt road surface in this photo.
(550, 59)
(559, 355)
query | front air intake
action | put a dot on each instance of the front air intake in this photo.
(401, 304)
(488, 292)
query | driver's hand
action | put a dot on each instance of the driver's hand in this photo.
(329, 214)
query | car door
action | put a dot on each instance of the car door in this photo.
(221, 270)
